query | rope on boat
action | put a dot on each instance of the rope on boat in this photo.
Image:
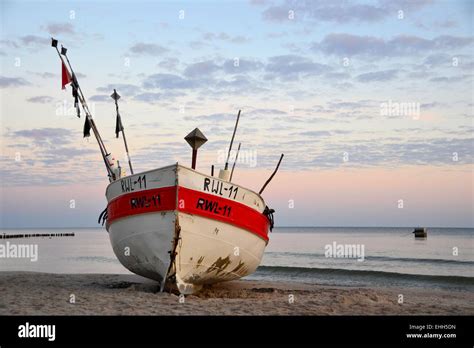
(269, 214)
(103, 217)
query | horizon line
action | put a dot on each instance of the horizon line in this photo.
(102, 227)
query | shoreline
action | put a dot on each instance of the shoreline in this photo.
(31, 293)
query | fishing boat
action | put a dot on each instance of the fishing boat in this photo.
(176, 225)
(420, 232)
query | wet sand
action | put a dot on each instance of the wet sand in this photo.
(28, 293)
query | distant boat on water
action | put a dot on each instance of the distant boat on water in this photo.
(420, 232)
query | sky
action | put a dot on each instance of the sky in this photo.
(370, 101)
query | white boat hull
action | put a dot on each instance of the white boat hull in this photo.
(179, 226)
(143, 243)
(211, 251)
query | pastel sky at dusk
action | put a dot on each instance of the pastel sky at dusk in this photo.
(320, 81)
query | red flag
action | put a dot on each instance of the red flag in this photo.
(66, 77)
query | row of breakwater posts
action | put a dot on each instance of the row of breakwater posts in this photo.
(36, 235)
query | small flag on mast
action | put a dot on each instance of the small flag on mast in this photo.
(75, 94)
(66, 77)
(87, 128)
(118, 126)
(118, 123)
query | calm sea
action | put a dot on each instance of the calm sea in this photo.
(392, 256)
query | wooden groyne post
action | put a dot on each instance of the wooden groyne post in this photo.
(35, 235)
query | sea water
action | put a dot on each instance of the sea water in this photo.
(391, 256)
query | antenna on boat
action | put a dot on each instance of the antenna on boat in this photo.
(224, 174)
(271, 177)
(119, 128)
(232, 141)
(78, 95)
(195, 139)
(233, 166)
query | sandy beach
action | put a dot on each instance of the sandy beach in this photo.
(27, 293)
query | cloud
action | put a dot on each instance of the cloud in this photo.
(123, 89)
(212, 118)
(9, 43)
(450, 79)
(45, 136)
(384, 75)
(260, 2)
(60, 28)
(168, 81)
(150, 49)
(292, 66)
(175, 150)
(150, 98)
(212, 36)
(411, 5)
(351, 105)
(209, 75)
(204, 68)
(451, 42)
(201, 76)
(42, 148)
(350, 45)
(169, 63)
(276, 35)
(340, 11)
(235, 84)
(58, 155)
(431, 105)
(314, 134)
(389, 152)
(239, 39)
(276, 13)
(437, 151)
(197, 44)
(100, 98)
(337, 75)
(7, 82)
(467, 66)
(225, 37)
(270, 112)
(438, 59)
(232, 66)
(45, 75)
(37, 41)
(42, 99)
(445, 24)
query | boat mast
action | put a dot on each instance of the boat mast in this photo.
(232, 141)
(89, 119)
(236, 158)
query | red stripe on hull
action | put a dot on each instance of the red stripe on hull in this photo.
(141, 202)
(222, 209)
(190, 202)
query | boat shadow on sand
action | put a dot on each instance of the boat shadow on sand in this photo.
(233, 289)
